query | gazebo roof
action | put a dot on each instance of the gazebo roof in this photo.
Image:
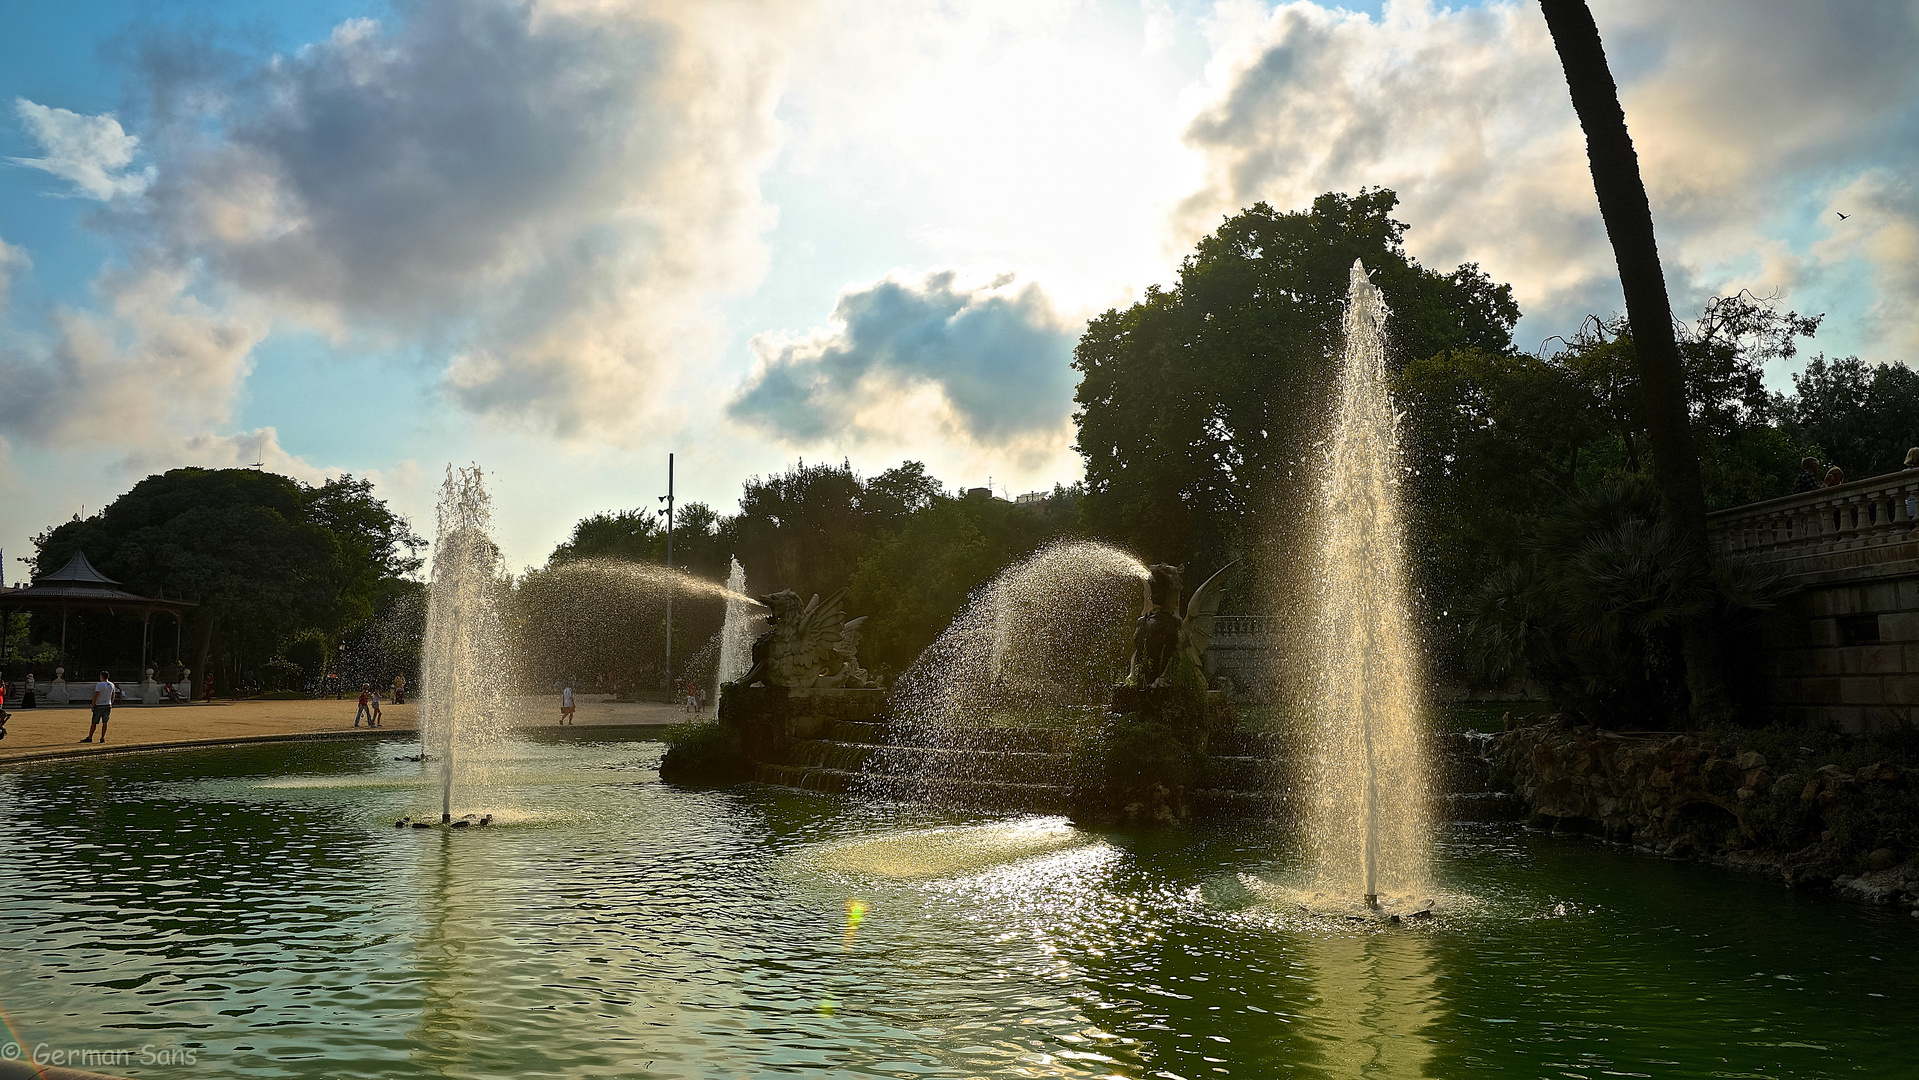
(79, 585)
(78, 571)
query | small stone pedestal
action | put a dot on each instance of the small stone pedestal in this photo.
(1149, 754)
(759, 725)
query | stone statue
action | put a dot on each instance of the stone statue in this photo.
(811, 644)
(1169, 650)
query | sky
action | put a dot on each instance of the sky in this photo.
(564, 238)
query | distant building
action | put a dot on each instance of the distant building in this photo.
(1032, 498)
(979, 493)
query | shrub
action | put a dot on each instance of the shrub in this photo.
(702, 751)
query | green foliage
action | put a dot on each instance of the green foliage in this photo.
(702, 752)
(1860, 415)
(1197, 402)
(1501, 443)
(268, 558)
(913, 580)
(1592, 607)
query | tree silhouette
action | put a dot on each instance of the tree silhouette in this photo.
(1628, 217)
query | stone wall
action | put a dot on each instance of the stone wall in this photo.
(1845, 653)
(1693, 796)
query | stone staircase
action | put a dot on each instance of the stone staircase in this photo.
(1031, 770)
(999, 768)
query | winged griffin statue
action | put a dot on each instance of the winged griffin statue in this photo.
(1169, 650)
(811, 644)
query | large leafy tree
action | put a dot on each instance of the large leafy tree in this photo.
(1200, 401)
(268, 558)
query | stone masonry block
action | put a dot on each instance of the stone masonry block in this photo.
(1882, 597)
(1823, 661)
(1822, 633)
(1902, 690)
(1817, 602)
(1882, 659)
(1852, 659)
(1899, 626)
(1908, 594)
(1862, 690)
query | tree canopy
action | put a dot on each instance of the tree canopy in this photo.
(267, 557)
(1201, 401)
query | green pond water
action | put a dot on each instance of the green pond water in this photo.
(253, 911)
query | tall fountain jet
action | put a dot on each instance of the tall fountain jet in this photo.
(463, 709)
(1369, 772)
(742, 625)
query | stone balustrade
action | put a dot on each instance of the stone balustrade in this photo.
(1834, 528)
(1244, 626)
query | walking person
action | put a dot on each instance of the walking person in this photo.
(366, 699)
(566, 705)
(207, 692)
(104, 692)
(4, 714)
(374, 720)
(399, 689)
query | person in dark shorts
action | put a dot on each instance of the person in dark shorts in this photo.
(566, 705)
(104, 692)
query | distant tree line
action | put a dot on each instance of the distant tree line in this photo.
(1540, 544)
(907, 550)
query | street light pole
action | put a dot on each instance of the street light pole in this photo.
(668, 500)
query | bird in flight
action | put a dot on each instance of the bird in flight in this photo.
(1842, 217)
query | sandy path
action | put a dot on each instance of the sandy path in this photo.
(39, 732)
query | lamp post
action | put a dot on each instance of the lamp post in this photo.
(668, 500)
(339, 674)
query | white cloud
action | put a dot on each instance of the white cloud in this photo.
(153, 363)
(1881, 228)
(1736, 109)
(90, 152)
(914, 354)
(11, 259)
(553, 194)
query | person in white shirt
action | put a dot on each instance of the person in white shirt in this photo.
(566, 705)
(104, 692)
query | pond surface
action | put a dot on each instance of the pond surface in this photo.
(253, 911)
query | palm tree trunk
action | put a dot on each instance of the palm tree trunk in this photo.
(1662, 380)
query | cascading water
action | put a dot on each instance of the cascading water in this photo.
(1368, 781)
(1050, 632)
(739, 630)
(463, 708)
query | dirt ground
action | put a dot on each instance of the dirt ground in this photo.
(39, 732)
